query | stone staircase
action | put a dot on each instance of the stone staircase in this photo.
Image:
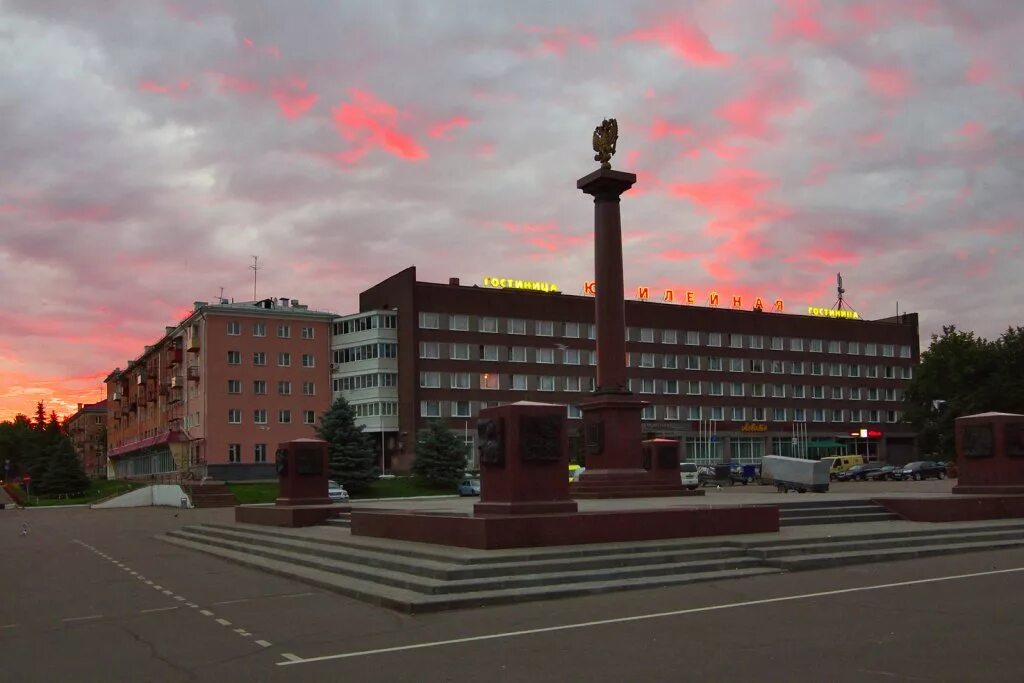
(212, 494)
(415, 577)
(832, 512)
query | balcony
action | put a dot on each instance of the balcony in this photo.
(165, 389)
(193, 373)
(177, 382)
(193, 344)
(174, 355)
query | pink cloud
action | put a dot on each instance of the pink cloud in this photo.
(819, 173)
(165, 89)
(485, 151)
(870, 138)
(682, 39)
(892, 82)
(799, 20)
(236, 84)
(677, 255)
(371, 122)
(557, 40)
(750, 114)
(271, 50)
(293, 97)
(545, 237)
(440, 130)
(661, 128)
(979, 72)
(729, 190)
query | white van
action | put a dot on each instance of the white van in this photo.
(688, 473)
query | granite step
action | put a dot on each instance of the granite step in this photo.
(876, 544)
(805, 562)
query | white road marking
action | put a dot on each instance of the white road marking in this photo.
(262, 597)
(9, 626)
(148, 583)
(192, 605)
(167, 592)
(159, 588)
(230, 602)
(206, 612)
(223, 622)
(158, 609)
(242, 632)
(179, 598)
(262, 643)
(91, 616)
(292, 659)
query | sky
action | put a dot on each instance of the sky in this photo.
(150, 149)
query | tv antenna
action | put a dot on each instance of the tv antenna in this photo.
(255, 267)
(840, 291)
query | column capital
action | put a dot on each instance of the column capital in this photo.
(606, 184)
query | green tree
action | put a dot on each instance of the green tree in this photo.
(440, 455)
(40, 423)
(64, 473)
(351, 455)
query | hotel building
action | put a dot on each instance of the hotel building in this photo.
(218, 391)
(85, 429)
(732, 383)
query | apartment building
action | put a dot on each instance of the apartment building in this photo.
(86, 429)
(732, 384)
(218, 391)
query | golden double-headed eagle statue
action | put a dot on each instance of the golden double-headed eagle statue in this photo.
(605, 137)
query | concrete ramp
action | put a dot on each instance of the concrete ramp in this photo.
(166, 495)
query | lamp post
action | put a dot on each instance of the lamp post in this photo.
(382, 440)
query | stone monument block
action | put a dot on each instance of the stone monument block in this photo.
(990, 453)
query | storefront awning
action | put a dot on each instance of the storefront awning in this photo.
(173, 436)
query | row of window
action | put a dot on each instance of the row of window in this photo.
(574, 330)
(366, 322)
(284, 359)
(235, 452)
(260, 330)
(375, 409)
(366, 381)
(259, 416)
(351, 354)
(259, 386)
(464, 409)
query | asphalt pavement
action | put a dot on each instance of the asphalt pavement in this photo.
(90, 595)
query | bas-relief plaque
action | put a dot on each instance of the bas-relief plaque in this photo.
(540, 437)
(979, 441)
(309, 463)
(593, 433)
(491, 435)
(1015, 439)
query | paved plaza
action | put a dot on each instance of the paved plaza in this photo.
(90, 595)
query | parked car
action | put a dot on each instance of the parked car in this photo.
(858, 472)
(575, 471)
(688, 473)
(840, 463)
(336, 492)
(882, 473)
(923, 469)
(744, 474)
(469, 487)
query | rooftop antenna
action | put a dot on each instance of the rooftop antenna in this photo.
(221, 297)
(840, 302)
(255, 269)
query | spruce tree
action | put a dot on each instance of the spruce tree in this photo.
(40, 423)
(440, 455)
(351, 456)
(64, 474)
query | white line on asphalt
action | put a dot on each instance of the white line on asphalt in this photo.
(262, 597)
(230, 602)
(206, 612)
(148, 583)
(292, 659)
(223, 622)
(192, 605)
(158, 609)
(179, 598)
(167, 592)
(9, 626)
(262, 643)
(159, 588)
(91, 616)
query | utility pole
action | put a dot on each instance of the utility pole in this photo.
(254, 268)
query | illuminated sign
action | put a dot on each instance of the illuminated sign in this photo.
(689, 297)
(754, 427)
(844, 313)
(867, 434)
(509, 283)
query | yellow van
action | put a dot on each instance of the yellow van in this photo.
(841, 463)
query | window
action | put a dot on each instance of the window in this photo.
(647, 385)
(591, 331)
(489, 381)
(259, 329)
(833, 347)
(649, 413)
(259, 416)
(837, 393)
(756, 365)
(234, 452)
(429, 321)
(693, 362)
(430, 380)
(571, 357)
(837, 415)
(692, 338)
(234, 328)
(777, 343)
(714, 363)
(545, 355)
(797, 367)
(693, 413)
(736, 341)
(759, 415)
(735, 365)
(647, 360)
(817, 368)
(714, 338)
(757, 389)
(799, 415)
(778, 391)
(835, 369)
(756, 341)
(816, 346)
(520, 383)
(853, 348)
(852, 370)
(717, 413)
(574, 412)
(890, 394)
(693, 388)
(234, 357)
(671, 412)
(647, 334)
(872, 394)
(460, 351)
(308, 389)
(905, 352)
(517, 354)
(489, 325)
(461, 380)
(888, 350)
(516, 326)
(430, 350)
(669, 337)
(308, 360)
(778, 367)
(259, 358)
(908, 372)
(430, 409)
(284, 359)
(671, 386)
(572, 383)
(796, 344)
(854, 393)
(545, 328)
(779, 415)
(461, 409)
(890, 371)
(284, 388)
(818, 415)
(892, 416)
(259, 386)
(488, 353)
(870, 350)
(872, 371)
(670, 361)
(817, 392)
(234, 416)
(739, 414)
(736, 389)
(259, 452)
(571, 330)
(234, 386)
(308, 333)
(715, 388)
(545, 383)
(459, 322)
(308, 417)
(284, 331)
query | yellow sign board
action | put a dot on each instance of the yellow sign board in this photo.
(844, 313)
(754, 427)
(509, 283)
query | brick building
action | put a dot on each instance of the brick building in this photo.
(732, 384)
(87, 428)
(218, 391)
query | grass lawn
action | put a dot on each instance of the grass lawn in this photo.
(98, 490)
(399, 487)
